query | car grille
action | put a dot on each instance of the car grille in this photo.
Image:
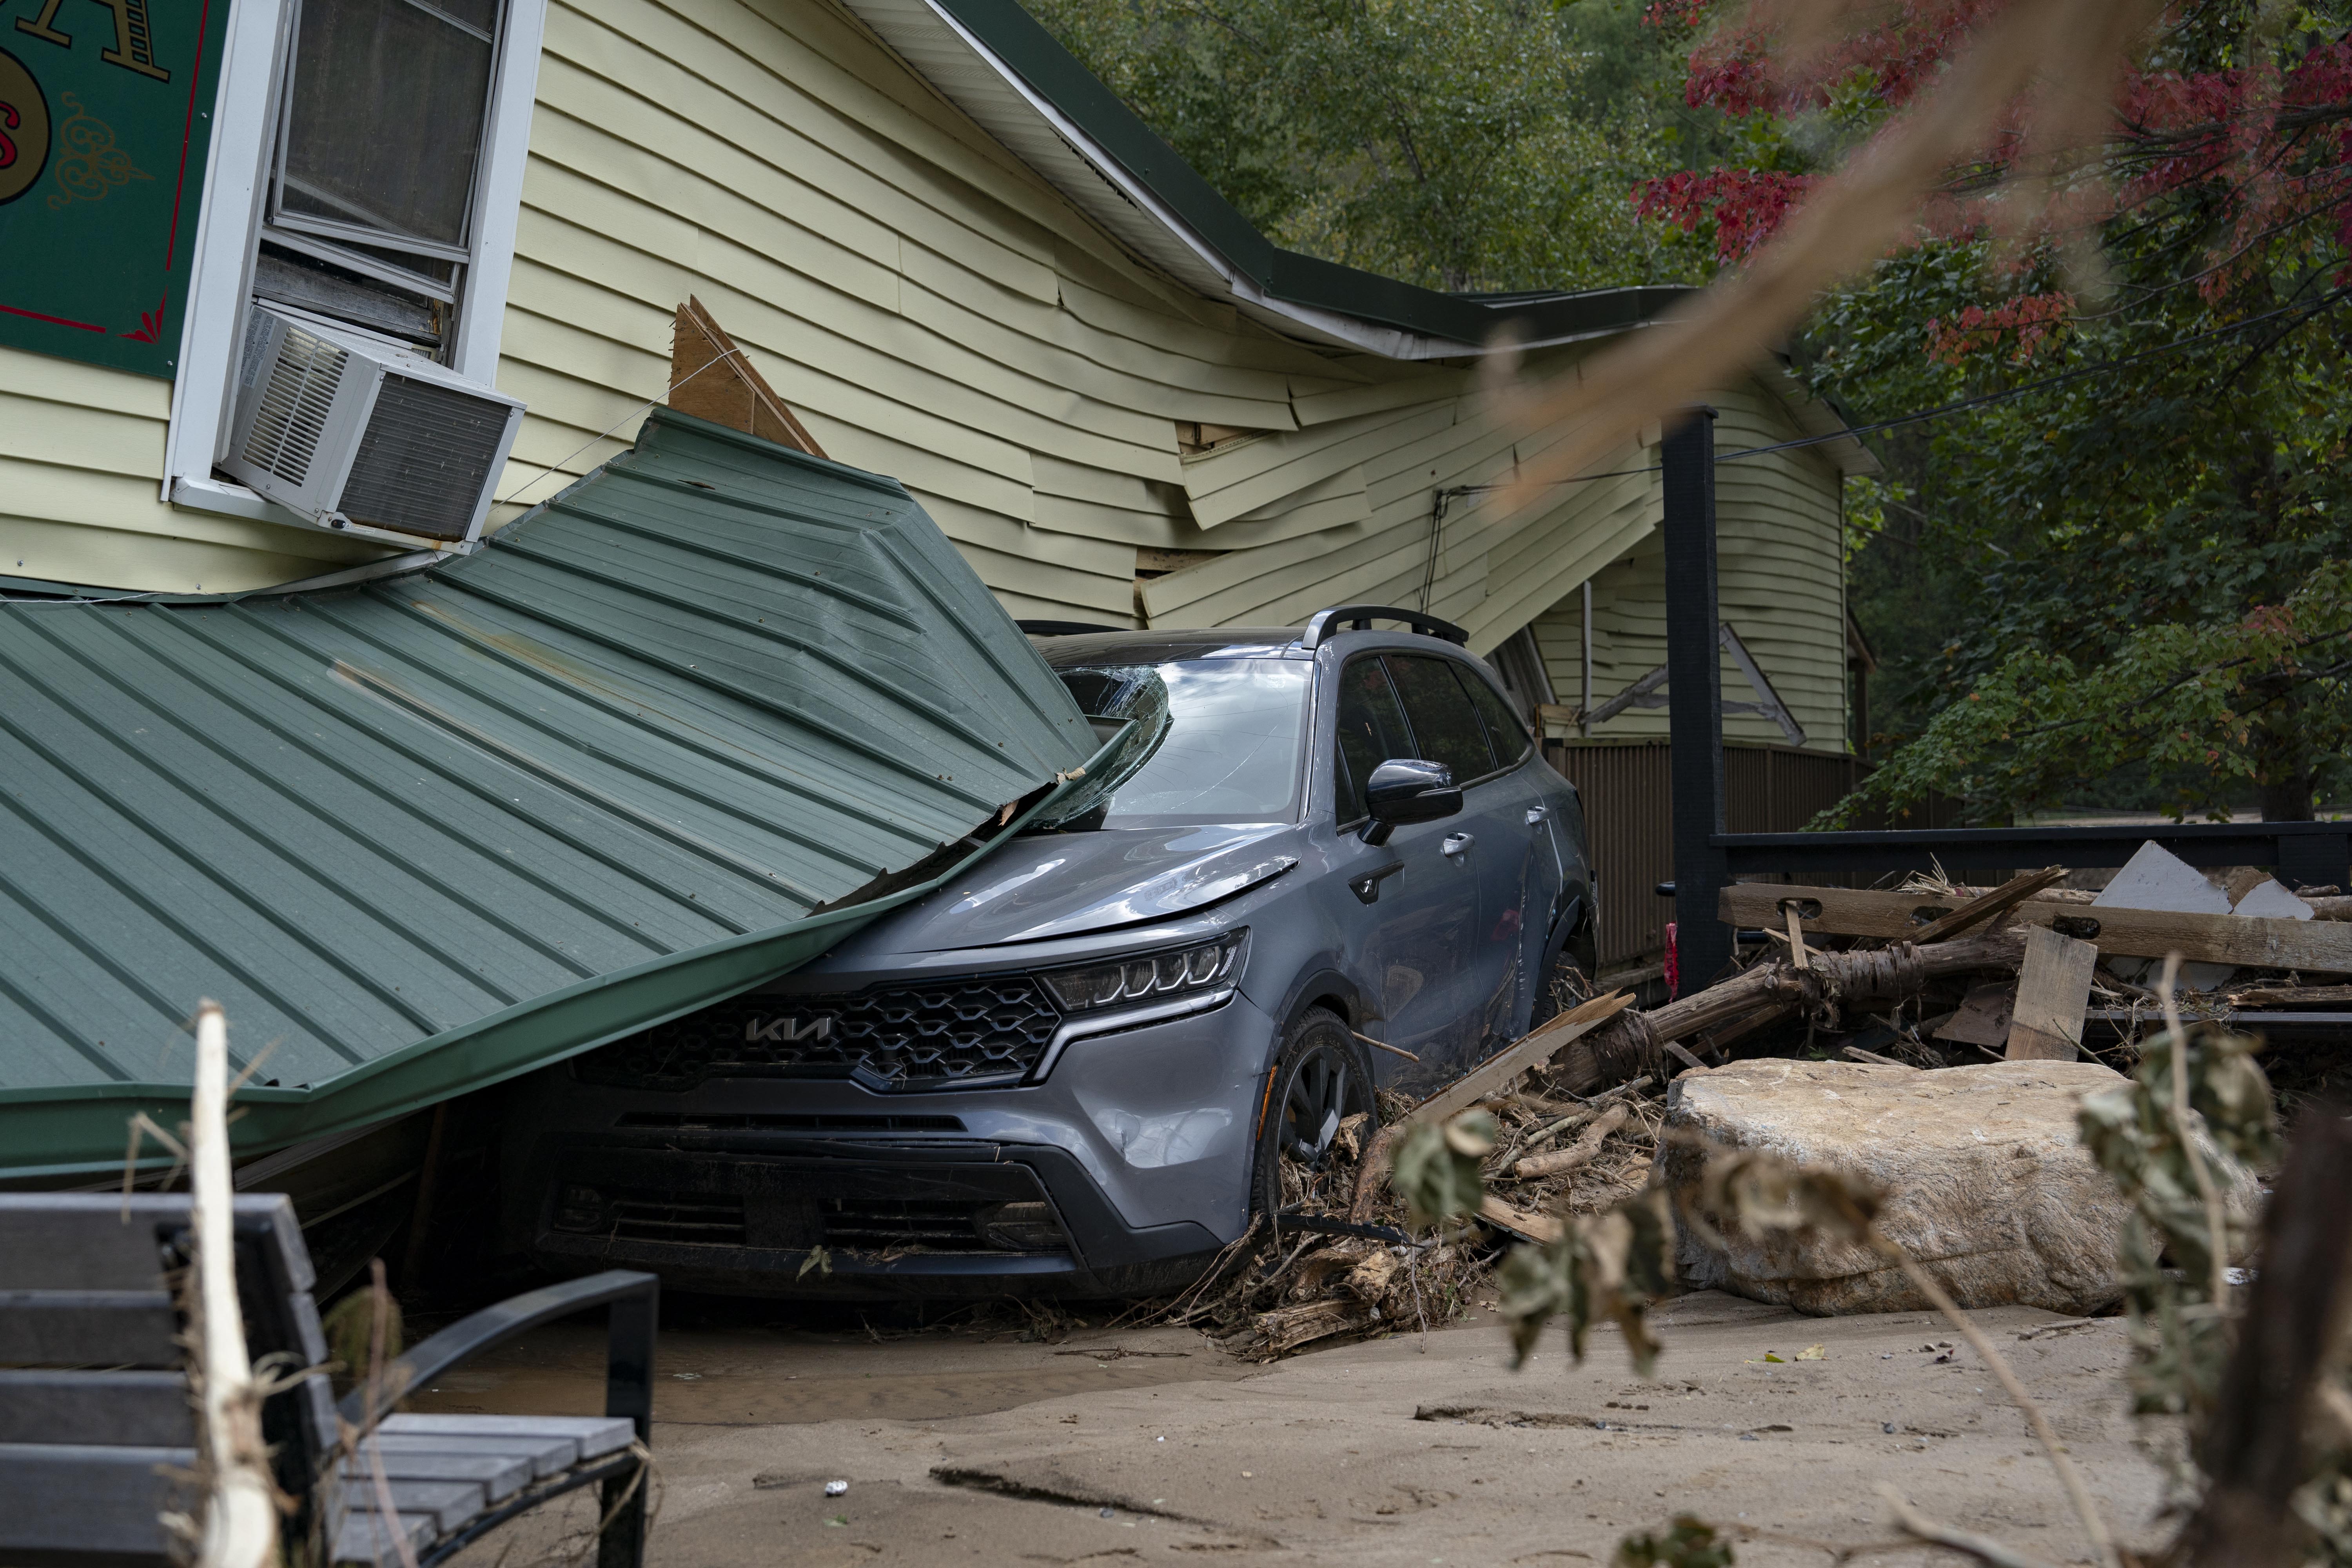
(857, 1223)
(970, 1033)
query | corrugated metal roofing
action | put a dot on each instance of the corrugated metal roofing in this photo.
(424, 834)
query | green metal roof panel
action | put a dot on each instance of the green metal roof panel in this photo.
(423, 834)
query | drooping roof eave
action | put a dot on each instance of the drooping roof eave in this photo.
(993, 61)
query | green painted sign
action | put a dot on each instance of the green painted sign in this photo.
(106, 110)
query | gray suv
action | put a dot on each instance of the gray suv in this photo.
(1078, 1070)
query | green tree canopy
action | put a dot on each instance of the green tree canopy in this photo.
(1469, 145)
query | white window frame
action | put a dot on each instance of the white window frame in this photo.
(220, 274)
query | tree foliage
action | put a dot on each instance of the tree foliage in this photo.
(2114, 589)
(1470, 145)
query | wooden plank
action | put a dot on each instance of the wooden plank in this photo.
(142, 1409)
(2052, 986)
(1530, 1050)
(2310, 946)
(1989, 906)
(595, 1435)
(2293, 996)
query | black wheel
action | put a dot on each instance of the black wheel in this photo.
(1566, 979)
(1320, 1081)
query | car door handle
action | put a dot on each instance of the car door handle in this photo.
(1536, 814)
(1456, 844)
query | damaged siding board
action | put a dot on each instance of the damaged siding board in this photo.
(432, 832)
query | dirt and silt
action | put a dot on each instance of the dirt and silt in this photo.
(993, 1443)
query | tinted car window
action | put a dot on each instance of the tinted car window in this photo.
(1445, 727)
(1371, 731)
(1505, 729)
(1221, 740)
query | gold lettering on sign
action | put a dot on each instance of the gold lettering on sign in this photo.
(134, 36)
(92, 165)
(24, 129)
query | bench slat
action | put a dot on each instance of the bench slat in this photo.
(596, 1435)
(503, 1474)
(449, 1503)
(138, 1409)
(547, 1456)
(59, 1497)
(83, 1328)
(364, 1539)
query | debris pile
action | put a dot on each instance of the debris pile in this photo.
(1988, 1183)
(1299, 1277)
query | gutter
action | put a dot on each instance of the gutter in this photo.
(1221, 249)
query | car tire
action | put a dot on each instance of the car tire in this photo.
(1568, 974)
(1320, 1078)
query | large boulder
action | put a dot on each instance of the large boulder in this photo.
(1986, 1180)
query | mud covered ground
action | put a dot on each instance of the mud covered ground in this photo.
(1119, 1446)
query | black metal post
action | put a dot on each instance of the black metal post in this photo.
(631, 1333)
(1694, 696)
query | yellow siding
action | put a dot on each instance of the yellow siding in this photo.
(1779, 581)
(934, 311)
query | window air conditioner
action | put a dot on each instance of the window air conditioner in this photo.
(357, 435)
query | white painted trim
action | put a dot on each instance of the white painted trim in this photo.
(221, 250)
(499, 200)
(235, 182)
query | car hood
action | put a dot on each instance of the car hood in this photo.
(1062, 884)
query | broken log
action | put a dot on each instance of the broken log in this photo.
(1635, 1042)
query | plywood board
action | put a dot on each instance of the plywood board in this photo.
(2052, 987)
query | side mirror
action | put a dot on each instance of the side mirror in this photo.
(1407, 790)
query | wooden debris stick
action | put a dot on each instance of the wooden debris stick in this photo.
(2293, 996)
(2052, 987)
(1991, 906)
(1588, 1143)
(1477, 1083)
(1532, 1048)
(1525, 1223)
(1796, 933)
(1855, 1053)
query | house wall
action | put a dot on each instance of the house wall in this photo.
(1779, 581)
(934, 311)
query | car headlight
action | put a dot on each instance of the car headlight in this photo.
(1150, 976)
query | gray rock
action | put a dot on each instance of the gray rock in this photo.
(1987, 1184)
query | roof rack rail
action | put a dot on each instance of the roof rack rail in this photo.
(1359, 619)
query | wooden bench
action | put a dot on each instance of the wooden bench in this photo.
(97, 1431)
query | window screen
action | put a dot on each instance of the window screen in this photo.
(1445, 726)
(385, 113)
(1505, 730)
(1371, 731)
